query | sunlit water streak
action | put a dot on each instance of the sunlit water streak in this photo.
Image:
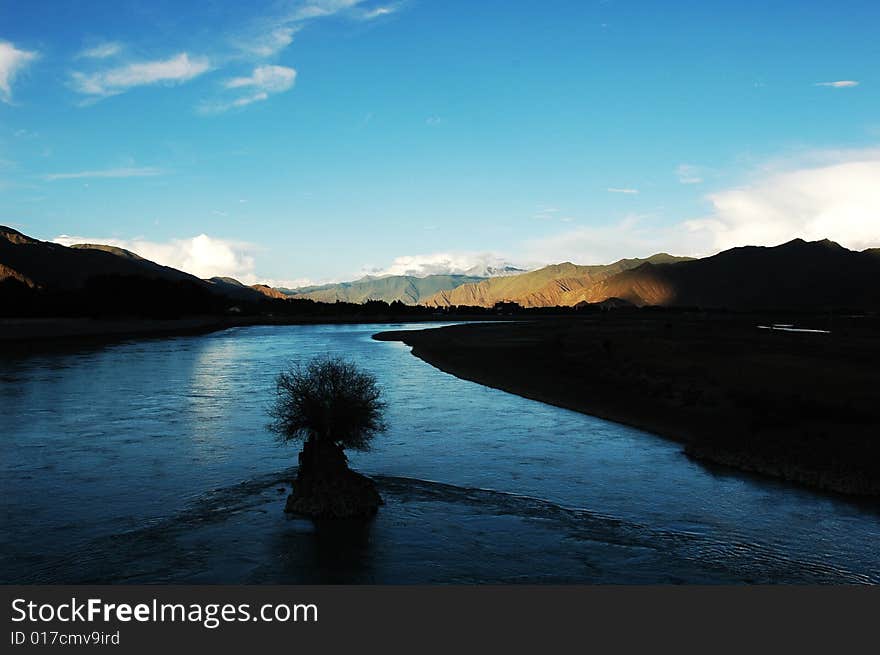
(113, 459)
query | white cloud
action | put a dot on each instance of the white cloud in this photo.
(263, 82)
(620, 190)
(545, 213)
(830, 194)
(101, 51)
(269, 43)
(444, 263)
(269, 35)
(294, 283)
(12, 62)
(320, 8)
(109, 172)
(378, 12)
(203, 256)
(839, 84)
(272, 79)
(689, 174)
(177, 69)
(838, 200)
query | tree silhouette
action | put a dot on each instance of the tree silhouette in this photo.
(328, 401)
(329, 404)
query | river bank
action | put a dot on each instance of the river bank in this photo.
(802, 407)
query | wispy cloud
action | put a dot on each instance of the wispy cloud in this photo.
(633, 235)
(623, 190)
(839, 84)
(174, 70)
(269, 42)
(101, 50)
(256, 41)
(259, 85)
(545, 213)
(378, 12)
(12, 62)
(320, 8)
(689, 174)
(109, 172)
(272, 79)
(270, 35)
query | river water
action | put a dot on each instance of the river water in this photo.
(150, 461)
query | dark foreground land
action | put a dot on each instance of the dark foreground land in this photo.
(804, 407)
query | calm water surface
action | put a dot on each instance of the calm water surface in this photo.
(150, 461)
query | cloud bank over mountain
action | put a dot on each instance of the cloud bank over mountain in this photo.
(838, 199)
(478, 264)
(202, 255)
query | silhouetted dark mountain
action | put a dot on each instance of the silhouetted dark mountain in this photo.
(800, 274)
(52, 266)
(232, 288)
(39, 277)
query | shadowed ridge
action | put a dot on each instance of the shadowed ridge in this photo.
(41, 278)
(797, 274)
(14, 236)
(217, 279)
(113, 250)
(232, 288)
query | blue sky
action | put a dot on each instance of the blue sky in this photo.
(322, 139)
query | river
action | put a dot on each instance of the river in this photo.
(150, 461)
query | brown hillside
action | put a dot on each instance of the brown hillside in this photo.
(557, 285)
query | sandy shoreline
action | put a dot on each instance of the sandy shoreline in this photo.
(717, 388)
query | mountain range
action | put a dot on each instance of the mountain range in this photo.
(799, 274)
(563, 284)
(808, 275)
(407, 289)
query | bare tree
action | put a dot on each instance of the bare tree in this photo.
(328, 401)
(330, 405)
